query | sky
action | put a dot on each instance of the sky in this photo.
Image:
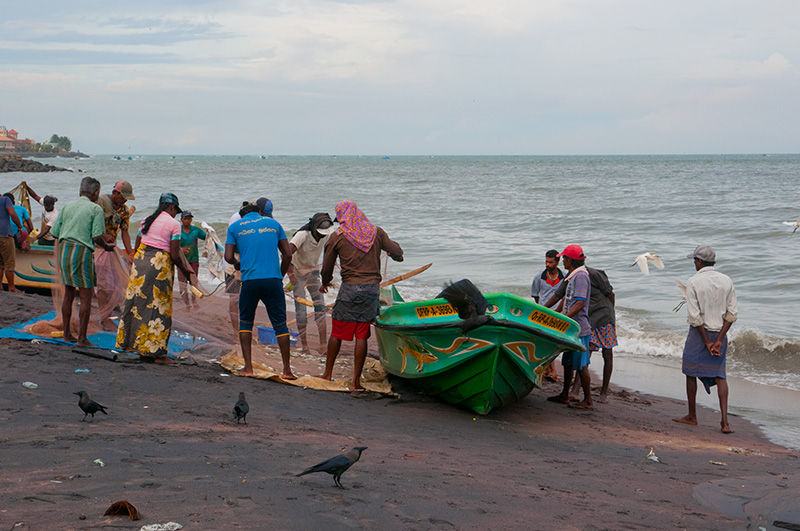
(414, 77)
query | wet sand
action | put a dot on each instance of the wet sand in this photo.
(170, 447)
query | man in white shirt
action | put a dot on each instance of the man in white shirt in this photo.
(307, 245)
(710, 311)
(49, 215)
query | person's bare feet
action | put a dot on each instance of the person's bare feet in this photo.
(165, 361)
(725, 428)
(84, 343)
(560, 399)
(686, 420)
(603, 398)
(574, 396)
(68, 338)
(108, 325)
(289, 376)
(14, 290)
(581, 405)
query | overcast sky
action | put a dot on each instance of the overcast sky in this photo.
(404, 77)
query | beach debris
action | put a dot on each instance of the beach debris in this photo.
(336, 466)
(81, 370)
(409, 455)
(745, 451)
(89, 406)
(786, 525)
(123, 508)
(99, 462)
(29, 385)
(241, 408)
(652, 456)
(718, 463)
(643, 259)
(169, 526)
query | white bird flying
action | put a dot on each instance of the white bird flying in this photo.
(682, 287)
(795, 224)
(642, 260)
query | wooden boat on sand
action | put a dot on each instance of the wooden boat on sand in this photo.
(487, 367)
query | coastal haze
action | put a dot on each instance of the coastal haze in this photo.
(404, 76)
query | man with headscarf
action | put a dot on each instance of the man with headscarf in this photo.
(307, 245)
(357, 244)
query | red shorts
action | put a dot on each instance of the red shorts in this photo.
(345, 330)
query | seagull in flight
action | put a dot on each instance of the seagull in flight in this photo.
(795, 224)
(642, 260)
(682, 288)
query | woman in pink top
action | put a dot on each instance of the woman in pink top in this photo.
(146, 320)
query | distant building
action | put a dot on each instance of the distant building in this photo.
(9, 141)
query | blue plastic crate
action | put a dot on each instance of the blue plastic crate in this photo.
(267, 336)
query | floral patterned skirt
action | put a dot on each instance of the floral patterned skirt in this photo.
(146, 320)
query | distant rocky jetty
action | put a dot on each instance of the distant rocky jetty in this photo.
(12, 163)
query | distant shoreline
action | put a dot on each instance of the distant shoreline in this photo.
(37, 155)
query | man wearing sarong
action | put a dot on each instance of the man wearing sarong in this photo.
(258, 239)
(79, 228)
(710, 311)
(357, 244)
(110, 283)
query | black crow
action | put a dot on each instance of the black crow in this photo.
(89, 406)
(240, 409)
(336, 466)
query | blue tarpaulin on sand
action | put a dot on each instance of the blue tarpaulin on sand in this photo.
(178, 342)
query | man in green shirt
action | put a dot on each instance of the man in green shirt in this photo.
(189, 236)
(80, 225)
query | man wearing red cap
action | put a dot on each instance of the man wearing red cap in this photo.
(576, 306)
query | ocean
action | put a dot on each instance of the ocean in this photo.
(492, 218)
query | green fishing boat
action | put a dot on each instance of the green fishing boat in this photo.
(492, 365)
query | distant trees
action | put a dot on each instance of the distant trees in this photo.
(62, 142)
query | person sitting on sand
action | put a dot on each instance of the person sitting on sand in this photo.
(543, 287)
(79, 228)
(146, 322)
(8, 217)
(307, 245)
(576, 306)
(190, 234)
(258, 239)
(49, 216)
(710, 311)
(357, 244)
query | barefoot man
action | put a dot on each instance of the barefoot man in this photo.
(80, 226)
(8, 216)
(710, 312)
(576, 306)
(258, 239)
(357, 244)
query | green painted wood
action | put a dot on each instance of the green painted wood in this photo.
(489, 367)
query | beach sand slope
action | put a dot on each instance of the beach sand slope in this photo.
(171, 447)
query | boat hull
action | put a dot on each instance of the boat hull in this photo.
(35, 269)
(489, 367)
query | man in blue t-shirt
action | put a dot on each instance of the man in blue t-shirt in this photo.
(21, 234)
(8, 218)
(576, 306)
(258, 240)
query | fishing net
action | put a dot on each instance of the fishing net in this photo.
(203, 329)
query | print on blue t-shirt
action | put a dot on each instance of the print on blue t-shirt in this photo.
(256, 239)
(22, 213)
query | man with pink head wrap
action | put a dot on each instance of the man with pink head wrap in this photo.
(357, 244)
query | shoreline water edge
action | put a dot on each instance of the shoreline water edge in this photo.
(667, 204)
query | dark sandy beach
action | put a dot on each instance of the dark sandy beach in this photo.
(171, 447)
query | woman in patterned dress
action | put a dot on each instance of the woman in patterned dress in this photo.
(146, 320)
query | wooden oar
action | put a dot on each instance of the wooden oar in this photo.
(407, 275)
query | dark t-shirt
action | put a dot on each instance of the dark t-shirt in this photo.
(601, 311)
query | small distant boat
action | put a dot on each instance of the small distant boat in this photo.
(482, 369)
